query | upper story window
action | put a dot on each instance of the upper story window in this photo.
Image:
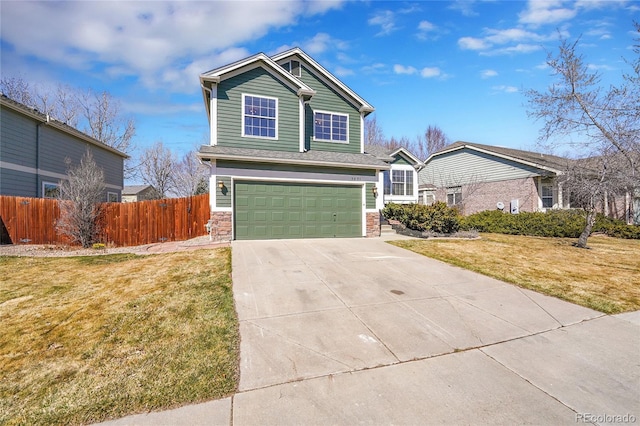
(293, 67)
(259, 116)
(330, 127)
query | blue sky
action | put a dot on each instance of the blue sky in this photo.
(459, 65)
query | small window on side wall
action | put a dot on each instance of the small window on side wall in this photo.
(454, 196)
(50, 190)
(112, 197)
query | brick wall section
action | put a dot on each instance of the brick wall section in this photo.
(486, 195)
(373, 224)
(220, 224)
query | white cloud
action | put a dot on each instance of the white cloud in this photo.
(472, 43)
(426, 30)
(386, 20)
(488, 73)
(401, 69)
(341, 71)
(545, 12)
(505, 89)
(376, 68)
(517, 40)
(321, 42)
(156, 41)
(430, 72)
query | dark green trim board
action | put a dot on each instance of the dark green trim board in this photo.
(272, 210)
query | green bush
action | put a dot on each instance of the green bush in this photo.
(438, 217)
(554, 223)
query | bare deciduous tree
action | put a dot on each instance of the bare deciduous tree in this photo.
(433, 139)
(606, 122)
(190, 176)
(105, 121)
(373, 134)
(17, 89)
(80, 195)
(157, 163)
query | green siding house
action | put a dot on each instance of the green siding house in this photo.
(35, 149)
(286, 152)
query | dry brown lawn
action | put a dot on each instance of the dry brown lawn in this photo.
(86, 339)
(605, 277)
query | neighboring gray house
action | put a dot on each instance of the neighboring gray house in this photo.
(478, 177)
(34, 149)
(133, 193)
(400, 182)
(287, 152)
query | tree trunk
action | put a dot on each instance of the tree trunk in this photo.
(591, 220)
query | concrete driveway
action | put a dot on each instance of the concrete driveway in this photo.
(349, 331)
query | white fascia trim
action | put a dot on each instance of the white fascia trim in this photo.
(380, 186)
(327, 78)
(407, 153)
(495, 154)
(301, 119)
(361, 133)
(213, 115)
(45, 174)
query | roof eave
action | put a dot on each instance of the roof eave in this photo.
(496, 154)
(235, 157)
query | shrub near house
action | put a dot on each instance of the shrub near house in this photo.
(554, 223)
(434, 218)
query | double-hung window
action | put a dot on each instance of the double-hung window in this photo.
(259, 117)
(454, 195)
(402, 182)
(547, 195)
(330, 126)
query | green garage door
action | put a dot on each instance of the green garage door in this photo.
(271, 210)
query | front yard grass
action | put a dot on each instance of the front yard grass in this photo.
(86, 339)
(605, 278)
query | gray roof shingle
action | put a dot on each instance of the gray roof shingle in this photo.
(319, 158)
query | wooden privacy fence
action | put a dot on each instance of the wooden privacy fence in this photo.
(32, 221)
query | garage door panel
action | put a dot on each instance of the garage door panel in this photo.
(286, 210)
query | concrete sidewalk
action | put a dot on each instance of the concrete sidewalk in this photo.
(343, 331)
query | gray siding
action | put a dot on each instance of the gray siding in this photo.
(465, 166)
(19, 184)
(257, 82)
(31, 146)
(17, 138)
(56, 148)
(326, 99)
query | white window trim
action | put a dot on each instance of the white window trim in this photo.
(414, 179)
(330, 113)
(244, 135)
(452, 190)
(56, 184)
(299, 73)
(109, 193)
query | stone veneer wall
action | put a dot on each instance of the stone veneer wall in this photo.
(373, 224)
(220, 226)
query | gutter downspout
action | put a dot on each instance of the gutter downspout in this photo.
(38, 132)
